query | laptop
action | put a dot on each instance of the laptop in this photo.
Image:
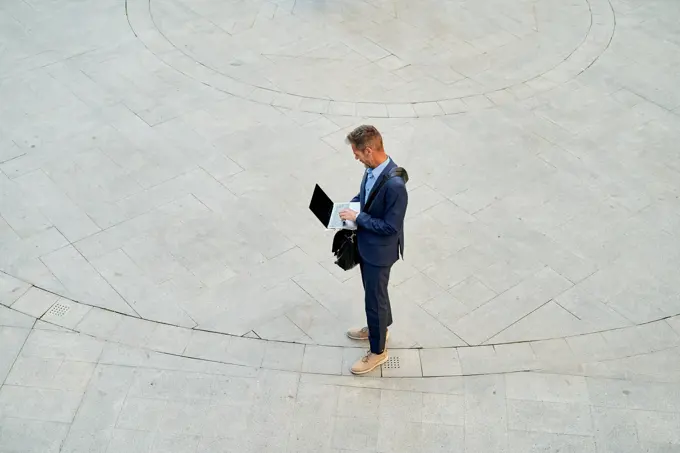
(329, 213)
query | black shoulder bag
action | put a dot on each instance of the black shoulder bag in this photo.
(345, 247)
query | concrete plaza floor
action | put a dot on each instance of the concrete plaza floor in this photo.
(164, 287)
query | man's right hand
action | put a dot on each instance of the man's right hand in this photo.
(348, 214)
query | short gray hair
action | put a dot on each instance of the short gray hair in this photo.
(364, 136)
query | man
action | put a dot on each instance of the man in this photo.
(380, 238)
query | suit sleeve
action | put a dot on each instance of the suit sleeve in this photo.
(355, 199)
(395, 210)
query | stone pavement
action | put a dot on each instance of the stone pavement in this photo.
(73, 392)
(163, 286)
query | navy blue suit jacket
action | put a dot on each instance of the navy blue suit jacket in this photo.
(380, 230)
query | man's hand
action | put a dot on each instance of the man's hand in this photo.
(348, 214)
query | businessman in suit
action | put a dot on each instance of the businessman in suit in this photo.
(380, 238)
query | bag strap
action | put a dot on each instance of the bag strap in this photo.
(398, 172)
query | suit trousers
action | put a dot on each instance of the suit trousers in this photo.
(377, 300)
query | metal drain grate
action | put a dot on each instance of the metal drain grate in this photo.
(392, 362)
(59, 309)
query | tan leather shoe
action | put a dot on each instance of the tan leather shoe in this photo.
(362, 334)
(369, 362)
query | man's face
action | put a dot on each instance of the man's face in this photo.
(362, 156)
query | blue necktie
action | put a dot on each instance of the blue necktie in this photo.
(370, 180)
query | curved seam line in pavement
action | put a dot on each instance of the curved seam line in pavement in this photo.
(664, 318)
(127, 17)
(261, 366)
(255, 87)
(611, 38)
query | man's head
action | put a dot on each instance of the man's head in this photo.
(367, 146)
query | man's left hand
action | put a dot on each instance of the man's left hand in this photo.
(348, 214)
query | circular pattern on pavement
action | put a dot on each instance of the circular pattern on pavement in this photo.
(392, 60)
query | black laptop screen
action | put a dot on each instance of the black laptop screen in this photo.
(321, 206)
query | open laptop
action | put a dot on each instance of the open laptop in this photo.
(328, 212)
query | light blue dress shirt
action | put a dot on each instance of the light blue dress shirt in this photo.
(372, 175)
